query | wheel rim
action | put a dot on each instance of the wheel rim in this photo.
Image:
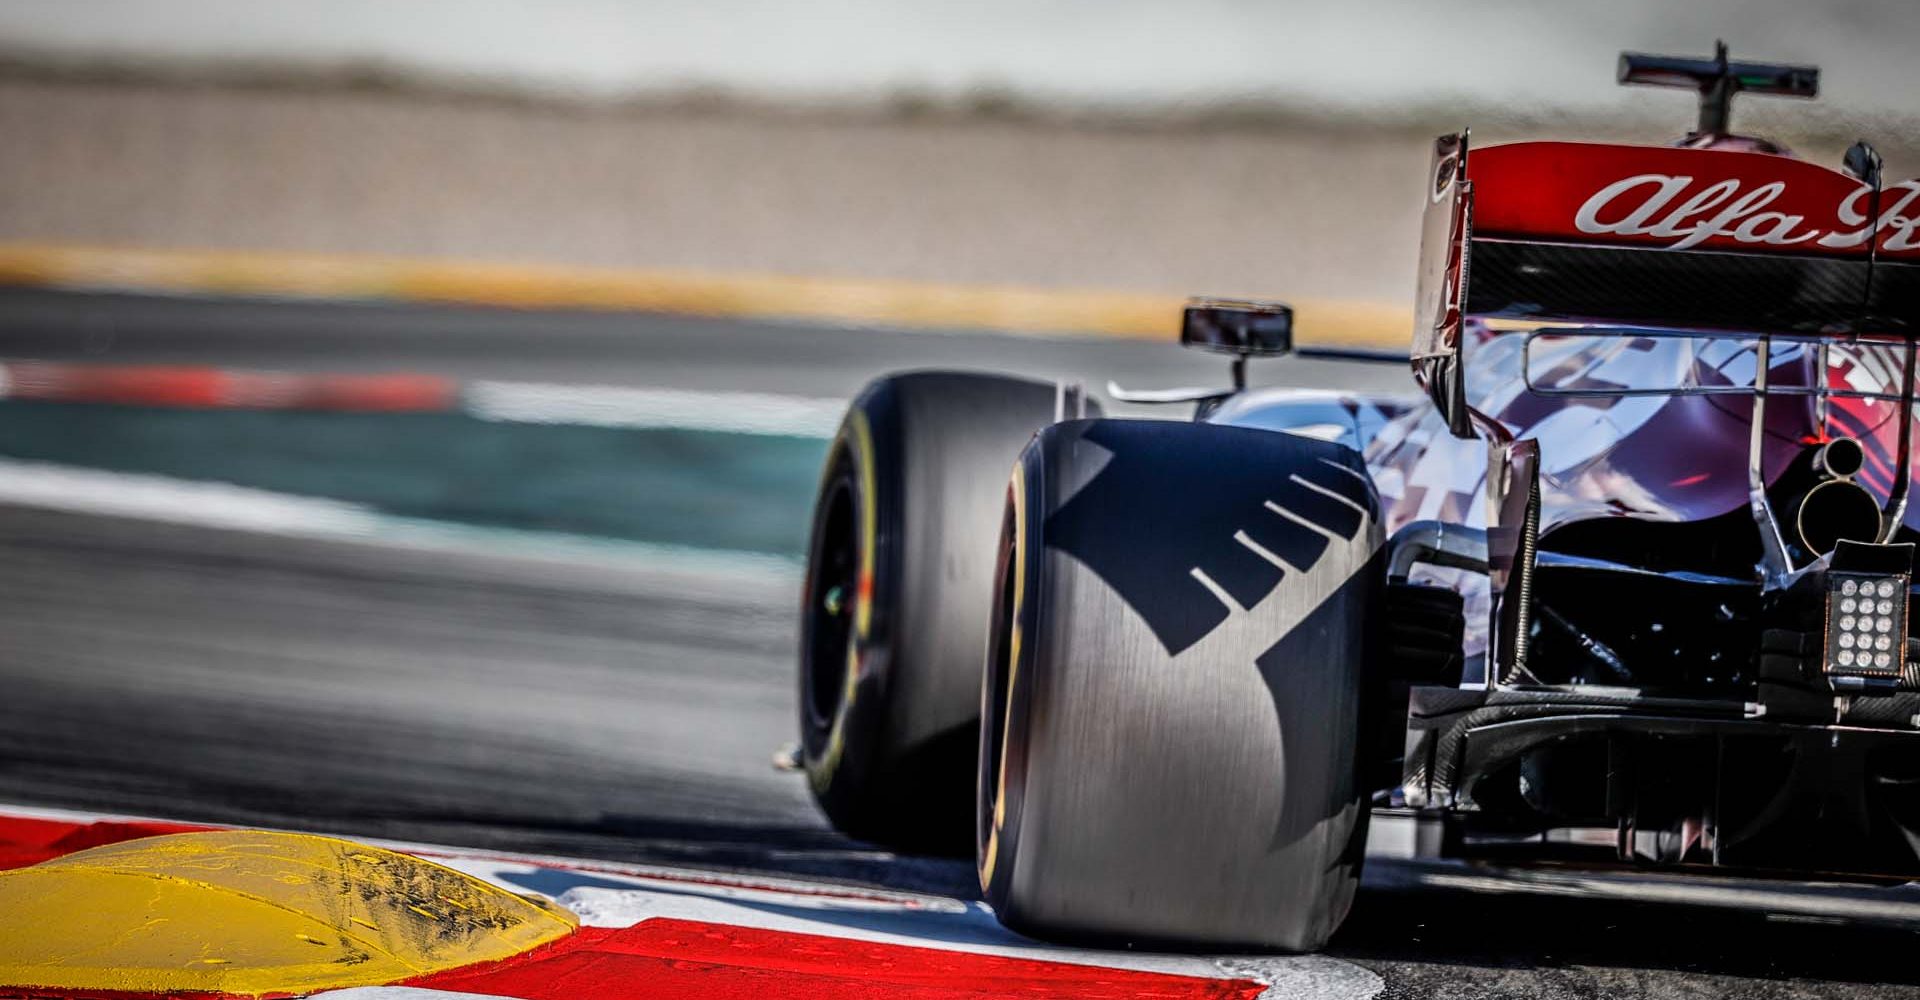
(835, 565)
(999, 677)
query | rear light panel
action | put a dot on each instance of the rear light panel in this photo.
(1866, 624)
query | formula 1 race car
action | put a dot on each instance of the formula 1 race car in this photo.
(1627, 586)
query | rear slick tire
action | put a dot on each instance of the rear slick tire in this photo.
(1170, 746)
(896, 602)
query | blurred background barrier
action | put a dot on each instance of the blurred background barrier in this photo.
(886, 218)
(854, 302)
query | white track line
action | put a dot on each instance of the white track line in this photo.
(178, 501)
(623, 406)
(223, 506)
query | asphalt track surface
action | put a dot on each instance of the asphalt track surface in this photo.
(521, 702)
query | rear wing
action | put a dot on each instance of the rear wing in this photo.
(1660, 236)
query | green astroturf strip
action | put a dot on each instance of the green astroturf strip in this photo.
(702, 489)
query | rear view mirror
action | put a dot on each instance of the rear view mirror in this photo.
(1232, 326)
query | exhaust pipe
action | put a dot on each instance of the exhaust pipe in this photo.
(1840, 458)
(1837, 508)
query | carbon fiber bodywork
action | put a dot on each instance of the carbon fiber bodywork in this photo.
(1690, 288)
(1667, 781)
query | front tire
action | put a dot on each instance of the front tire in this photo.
(1170, 739)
